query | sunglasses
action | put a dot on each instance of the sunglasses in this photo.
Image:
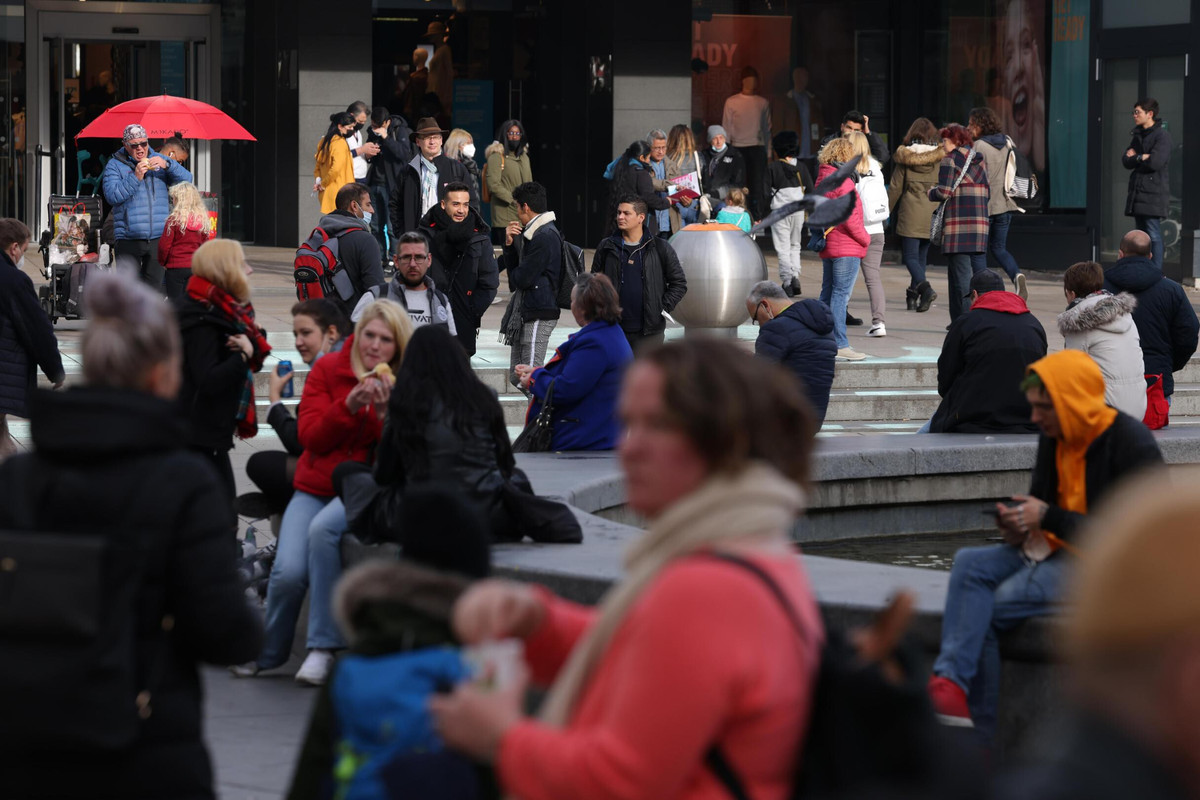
(139, 145)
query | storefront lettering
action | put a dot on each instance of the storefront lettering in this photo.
(1067, 28)
(717, 55)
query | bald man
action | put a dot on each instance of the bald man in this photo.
(1165, 320)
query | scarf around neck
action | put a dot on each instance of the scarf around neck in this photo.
(241, 317)
(726, 509)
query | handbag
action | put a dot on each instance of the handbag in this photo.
(1158, 411)
(937, 223)
(817, 241)
(539, 432)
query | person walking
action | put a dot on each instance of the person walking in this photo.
(533, 258)
(787, 181)
(963, 186)
(508, 166)
(135, 182)
(27, 338)
(914, 174)
(872, 194)
(845, 245)
(334, 165)
(187, 228)
(1147, 159)
(996, 148)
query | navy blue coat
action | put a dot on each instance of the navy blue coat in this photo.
(535, 267)
(1164, 316)
(140, 208)
(26, 340)
(801, 338)
(586, 371)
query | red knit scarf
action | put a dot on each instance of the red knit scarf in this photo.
(241, 316)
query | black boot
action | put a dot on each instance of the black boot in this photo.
(852, 320)
(787, 289)
(910, 298)
(796, 286)
(925, 296)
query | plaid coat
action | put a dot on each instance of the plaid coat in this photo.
(967, 210)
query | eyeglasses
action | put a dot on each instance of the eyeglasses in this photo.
(514, 134)
(754, 316)
(139, 145)
(413, 258)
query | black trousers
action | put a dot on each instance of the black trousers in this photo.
(175, 282)
(140, 257)
(270, 471)
(756, 178)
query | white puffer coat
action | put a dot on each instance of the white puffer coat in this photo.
(1102, 326)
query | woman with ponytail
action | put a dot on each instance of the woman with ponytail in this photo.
(334, 164)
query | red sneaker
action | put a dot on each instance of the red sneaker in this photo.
(950, 702)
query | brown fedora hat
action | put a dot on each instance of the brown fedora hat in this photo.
(427, 126)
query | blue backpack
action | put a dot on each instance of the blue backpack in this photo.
(384, 737)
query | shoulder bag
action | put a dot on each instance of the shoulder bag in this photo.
(705, 201)
(937, 223)
(539, 432)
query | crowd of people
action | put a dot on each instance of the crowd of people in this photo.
(396, 440)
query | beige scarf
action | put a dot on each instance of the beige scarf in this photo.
(726, 509)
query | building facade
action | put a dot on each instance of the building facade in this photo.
(588, 78)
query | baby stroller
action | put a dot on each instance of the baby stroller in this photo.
(71, 250)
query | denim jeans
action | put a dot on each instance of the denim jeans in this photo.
(1153, 228)
(959, 274)
(998, 243)
(297, 563)
(916, 256)
(991, 590)
(837, 282)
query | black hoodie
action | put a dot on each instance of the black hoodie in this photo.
(464, 268)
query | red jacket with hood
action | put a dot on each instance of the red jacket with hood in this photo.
(850, 238)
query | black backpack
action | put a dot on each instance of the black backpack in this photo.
(867, 738)
(69, 676)
(572, 268)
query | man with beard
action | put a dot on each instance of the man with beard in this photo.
(463, 267)
(412, 287)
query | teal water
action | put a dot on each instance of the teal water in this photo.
(929, 551)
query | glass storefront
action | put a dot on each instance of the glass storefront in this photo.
(12, 128)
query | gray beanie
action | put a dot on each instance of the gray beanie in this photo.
(716, 130)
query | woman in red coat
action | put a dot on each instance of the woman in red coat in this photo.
(845, 245)
(186, 229)
(341, 419)
(690, 651)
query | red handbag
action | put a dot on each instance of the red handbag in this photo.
(1158, 410)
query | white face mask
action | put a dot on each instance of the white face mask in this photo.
(720, 149)
(791, 160)
(468, 150)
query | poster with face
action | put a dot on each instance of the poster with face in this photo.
(1020, 66)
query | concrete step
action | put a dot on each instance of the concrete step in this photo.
(514, 406)
(877, 405)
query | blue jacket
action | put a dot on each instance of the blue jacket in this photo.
(1165, 319)
(586, 371)
(140, 208)
(26, 340)
(801, 338)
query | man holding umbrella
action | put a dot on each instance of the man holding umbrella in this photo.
(135, 184)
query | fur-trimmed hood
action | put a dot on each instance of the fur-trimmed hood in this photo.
(373, 595)
(1111, 312)
(495, 148)
(919, 155)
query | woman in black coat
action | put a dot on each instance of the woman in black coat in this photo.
(632, 175)
(111, 466)
(26, 334)
(222, 349)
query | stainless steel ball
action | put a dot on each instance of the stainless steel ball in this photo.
(721, 263)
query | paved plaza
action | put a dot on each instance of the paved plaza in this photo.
(254, 727)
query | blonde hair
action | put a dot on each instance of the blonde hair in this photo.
(130, 329)
(839, 150)
(187, 206)
(735, 197)
(681, 143)
(393, 315)
(222, 262)
(862, 148)
(455, 141)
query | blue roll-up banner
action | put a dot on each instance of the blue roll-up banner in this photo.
(1069, 73)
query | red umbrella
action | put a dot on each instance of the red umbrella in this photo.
(163, 116)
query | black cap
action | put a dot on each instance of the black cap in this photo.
(986, 281)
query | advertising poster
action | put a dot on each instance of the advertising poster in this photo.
(730, 42)
(1070, 31)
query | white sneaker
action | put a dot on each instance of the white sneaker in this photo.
(877, 330)
(315, 668)
(247, 670)
(1022, 289)
(850, 354)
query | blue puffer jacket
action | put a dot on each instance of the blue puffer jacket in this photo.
(140, 208)
(801, 338)
(586, 372)
(26, 340)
